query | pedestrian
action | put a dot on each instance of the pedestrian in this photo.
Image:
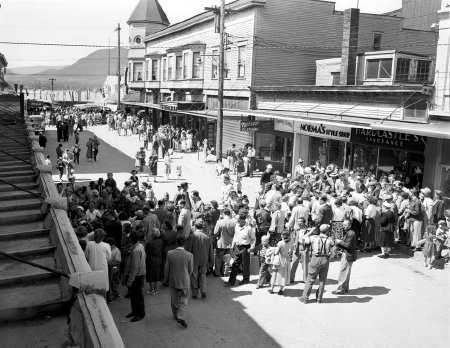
(300, 252)
(387, 229)
(243, 243)
(153, 166)
(349, 255)
(47, 161)
(59, 151)
(90, 150)
(223, 234)
(231, 157)
(167, 165)
(42, 141)
(200, 246)
(96, 143)
(177, 271)
(184, 219)
(76, 153)
(60, 166)
(264, 266)
(98, 254)
(320, 262)
(114, 271)
(136, 275)
(153, 251)
(281, 271)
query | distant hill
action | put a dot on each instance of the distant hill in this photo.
(28, 70)
(95, 64)
(88, 72)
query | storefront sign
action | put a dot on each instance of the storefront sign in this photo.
(284, 125)
(381, 138)
(256, 126)
(169, 107)
(322, 130)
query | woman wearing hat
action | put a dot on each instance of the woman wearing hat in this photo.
(368, 227)
(387, 228)
(153, 165)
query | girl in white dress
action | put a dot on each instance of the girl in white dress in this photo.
(183, 141)
(282, 266)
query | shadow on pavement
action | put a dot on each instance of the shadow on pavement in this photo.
(347, 299)
(370, 290)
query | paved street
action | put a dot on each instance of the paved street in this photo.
(388, 304)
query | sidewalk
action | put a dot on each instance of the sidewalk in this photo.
(201, 176)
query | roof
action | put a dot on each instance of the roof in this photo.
(342, 89)
(148, 11)
(132, 97)
(237, 5)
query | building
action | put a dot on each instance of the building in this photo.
(269, 43)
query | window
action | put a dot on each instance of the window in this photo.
(227, 65)
(185, 65)
(147, 72)
(242, 58)
(196, 65)
(215, 65)
(137, 71)
(423, 68)
(336, 76)
(178, 67)
(402, 71)
(138, 40)
(154, 70)
(377, 41)
(164, 69)
(169, 68)
(379, 68)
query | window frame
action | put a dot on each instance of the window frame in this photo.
(178, 67)
(185, 62)
(196, 68)
(379, 60)
(377, 47)
(240, 64)
(215, 64)
(164, 69)
(154, 68)
(170, 68)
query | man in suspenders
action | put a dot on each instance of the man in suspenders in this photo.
(320, 261)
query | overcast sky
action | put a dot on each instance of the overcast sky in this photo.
(93, 22)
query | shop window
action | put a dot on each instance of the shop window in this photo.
(178, 67)
(269, 147)
(196, 65)
(379, 68)
(402, 71)
(242, 58)
(377, 41)
(215, 65)
(137, 71)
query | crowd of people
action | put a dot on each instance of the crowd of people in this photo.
(308, 219)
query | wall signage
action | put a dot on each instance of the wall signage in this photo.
(322, 130)
(256, 126)
(388, 139)
(284, 125)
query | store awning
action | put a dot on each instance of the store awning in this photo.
(143, 105)
(434, 129)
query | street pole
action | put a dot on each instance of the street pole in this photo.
(221, 82)
(118, 65)
(52, 80)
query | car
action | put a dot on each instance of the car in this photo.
(38, 123)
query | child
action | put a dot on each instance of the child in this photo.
(60, 166)
(114, 271)
(178, 173)
(264, 273)
(238, 185)
(440, 237)
(167, 165)
(429, 248)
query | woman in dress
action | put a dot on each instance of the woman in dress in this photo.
(368, 228)
(153, 261)
(276, 225)
(167, 165)
(189, 137)
(183, 141)
(337, 228)
(282, 267)
(90, 150)
(153, 165)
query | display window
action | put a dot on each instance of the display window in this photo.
(329, 151)
(274, 149)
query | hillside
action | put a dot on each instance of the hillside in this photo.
(88, 72)
(28, 70)
(95, 64)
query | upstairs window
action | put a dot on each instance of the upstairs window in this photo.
(227, 65)
(137, 71)
(196, 65)
(164, 69)
(169, 68)
(402, 71)
(154, 70)
(215, 65)
(379, 68)
(377, 41)
(242, 58)
(147, 72)
(423, 69)
(178, 67)
(336, 76)
(185, 66)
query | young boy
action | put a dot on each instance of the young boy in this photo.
(264, 273)
(114, 271)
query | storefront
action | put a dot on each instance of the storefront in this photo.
(271, 146)
(385, 151)
(317, 142)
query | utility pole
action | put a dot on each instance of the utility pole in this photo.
(221, 79)
(118, 65)
(52, 80)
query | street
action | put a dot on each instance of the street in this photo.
(388, 303)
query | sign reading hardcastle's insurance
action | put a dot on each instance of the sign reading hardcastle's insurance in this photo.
(394, 140)
(322, 130)
(256, 126)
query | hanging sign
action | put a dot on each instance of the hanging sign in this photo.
(284, 125)
(388, 139)
(256, 126)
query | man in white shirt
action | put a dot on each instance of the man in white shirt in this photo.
(273, 196)
(243, 242)
(298, 212)
(299, 169)
(92, 214)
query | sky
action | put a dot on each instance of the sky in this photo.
(93, 22)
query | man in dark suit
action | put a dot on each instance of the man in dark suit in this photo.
(177, 271)
(325, 214)
(200, 245)
(348, 257)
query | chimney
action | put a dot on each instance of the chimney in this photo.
(349, 46)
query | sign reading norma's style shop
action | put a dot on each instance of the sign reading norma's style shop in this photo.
(388, 139)
(256, 126)
(314, 129)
